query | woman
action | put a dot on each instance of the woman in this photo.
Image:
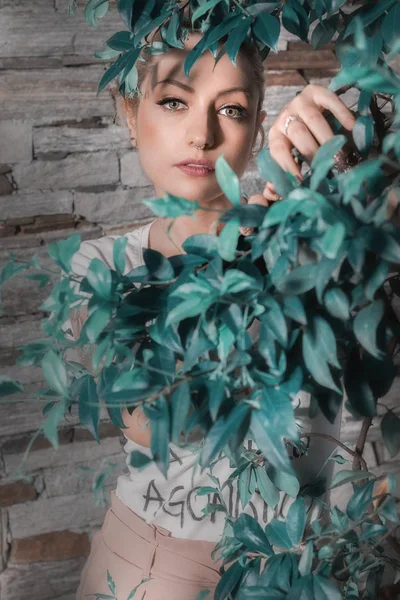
(155, 534)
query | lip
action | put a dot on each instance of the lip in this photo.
(196, 171)
(201, 162)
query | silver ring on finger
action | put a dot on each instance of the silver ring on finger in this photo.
(289, 119)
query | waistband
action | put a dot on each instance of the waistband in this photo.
(153, 549)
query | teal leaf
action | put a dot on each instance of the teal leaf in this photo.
(95, 10)
(296, 521)
(138, 460)
(268, 490)
(119, 253)
(299, 280)
(347, 476)
(220, 433)
(171, 206)
(227, 179)
(271, 171)
(121, 41)
(8, 386)
(324, 159)
(203, 8)
(116, 68)
(179, 405)
(160, 429)
(363, 133)
(62, 252)
(361, 396)
(325, 588)
(284, 481)
(267, 28)
(316, 364)
(277, 535)
(365, 325)
(332, 240)
(236, 38)
(135, 589)
(89, 406)
(158, 265)
(125, 8)
(305, 562)
(295, 19)
(53, 419)
(228, 239)
(55, 373)
(248, 531)
(359, 501)
(96, 323)
(390, 428)
(99, 279)
(111, 584)
(337, 303)
(391, 26)
(228, 581)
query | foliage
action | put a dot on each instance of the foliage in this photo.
(318, 276)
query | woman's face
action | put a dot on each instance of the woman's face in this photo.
(172, 119)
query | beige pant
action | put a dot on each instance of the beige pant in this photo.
(132, 550)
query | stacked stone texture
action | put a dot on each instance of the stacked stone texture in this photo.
(65, 167)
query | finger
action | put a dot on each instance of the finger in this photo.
(324, 98)
(302, 138)
(258, 199)
(280, 147)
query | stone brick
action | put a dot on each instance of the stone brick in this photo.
(7, 231)
(44, 580)
(132, 173)
(16, 492)
(4, 545)
(18, 331)
(116, 207)
(36, 240)
(79, 139)
(46, 515)
(81, 170)
(323, 59)
(50, 223)
(18, 444)
(53, 546)
(70, 92)
(284, 78)
(15, 141)
(77, 479)
(79, 452)
(37, 203)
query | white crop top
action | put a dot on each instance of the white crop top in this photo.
(173, 503)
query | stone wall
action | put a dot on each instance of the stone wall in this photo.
(66, 168)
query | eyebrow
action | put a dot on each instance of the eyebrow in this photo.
(189, 89)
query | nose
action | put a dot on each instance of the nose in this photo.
(201, 129)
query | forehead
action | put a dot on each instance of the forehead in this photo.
(171, 64)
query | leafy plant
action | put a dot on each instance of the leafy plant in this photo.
(318, 277)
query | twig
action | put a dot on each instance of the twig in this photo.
(359, 462)
(331, 439)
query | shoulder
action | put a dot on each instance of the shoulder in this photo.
(102, 248)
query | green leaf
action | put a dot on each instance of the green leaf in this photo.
(248, 531)
(89, 406)
(296, 521)
(228, 239)
(94, 10)
(53, 419)
(171, 206)
(277, 535)
(55, 373)
(220, 433)
(228, 581)
(267, 28)
(390, 428)
(227, 179)
(363, 133)
(271, 171)
(99, 279)
(365, 325)
(337, 303)
(346, 476)
(306, 559)
(268, 491)
(325, 589)
(8, 386)
(359, 501)
(391, 26)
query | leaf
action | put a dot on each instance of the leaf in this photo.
(113, 71)
(203, 8)
(316, 364)
(337, 303)
(228, 239)
(99, 278)
(277, 535)
(96, 323)
(171, 206)
(359, 501)
(248, 531)
(369, 16)
(228, 581)
(158, 265)
(268, 491)
(53, 419)
(324, 159)
(359, 392)
(8, 386)
(94, 10)
(267, 28)
(306, 559)
(119, 253)
(227, 179)
(363, 133)
(138, 460)
(135, 589)
(180, 403)
(391, 26)
(345, 476)
(111, 584)
(332, 240)
(271, 171)
(62, 252)
(324, 589)
(160, 428)
(125, 8)
(89, 406)
(55, 373)
(323, 33)
(236, 38)
(296, 521)
(390, 428)
(365, 325)
(295, 19)
(121, 41)
(219, 434)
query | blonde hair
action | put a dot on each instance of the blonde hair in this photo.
(127, 106)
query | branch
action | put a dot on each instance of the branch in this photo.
(331, 439)
(359, 462)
